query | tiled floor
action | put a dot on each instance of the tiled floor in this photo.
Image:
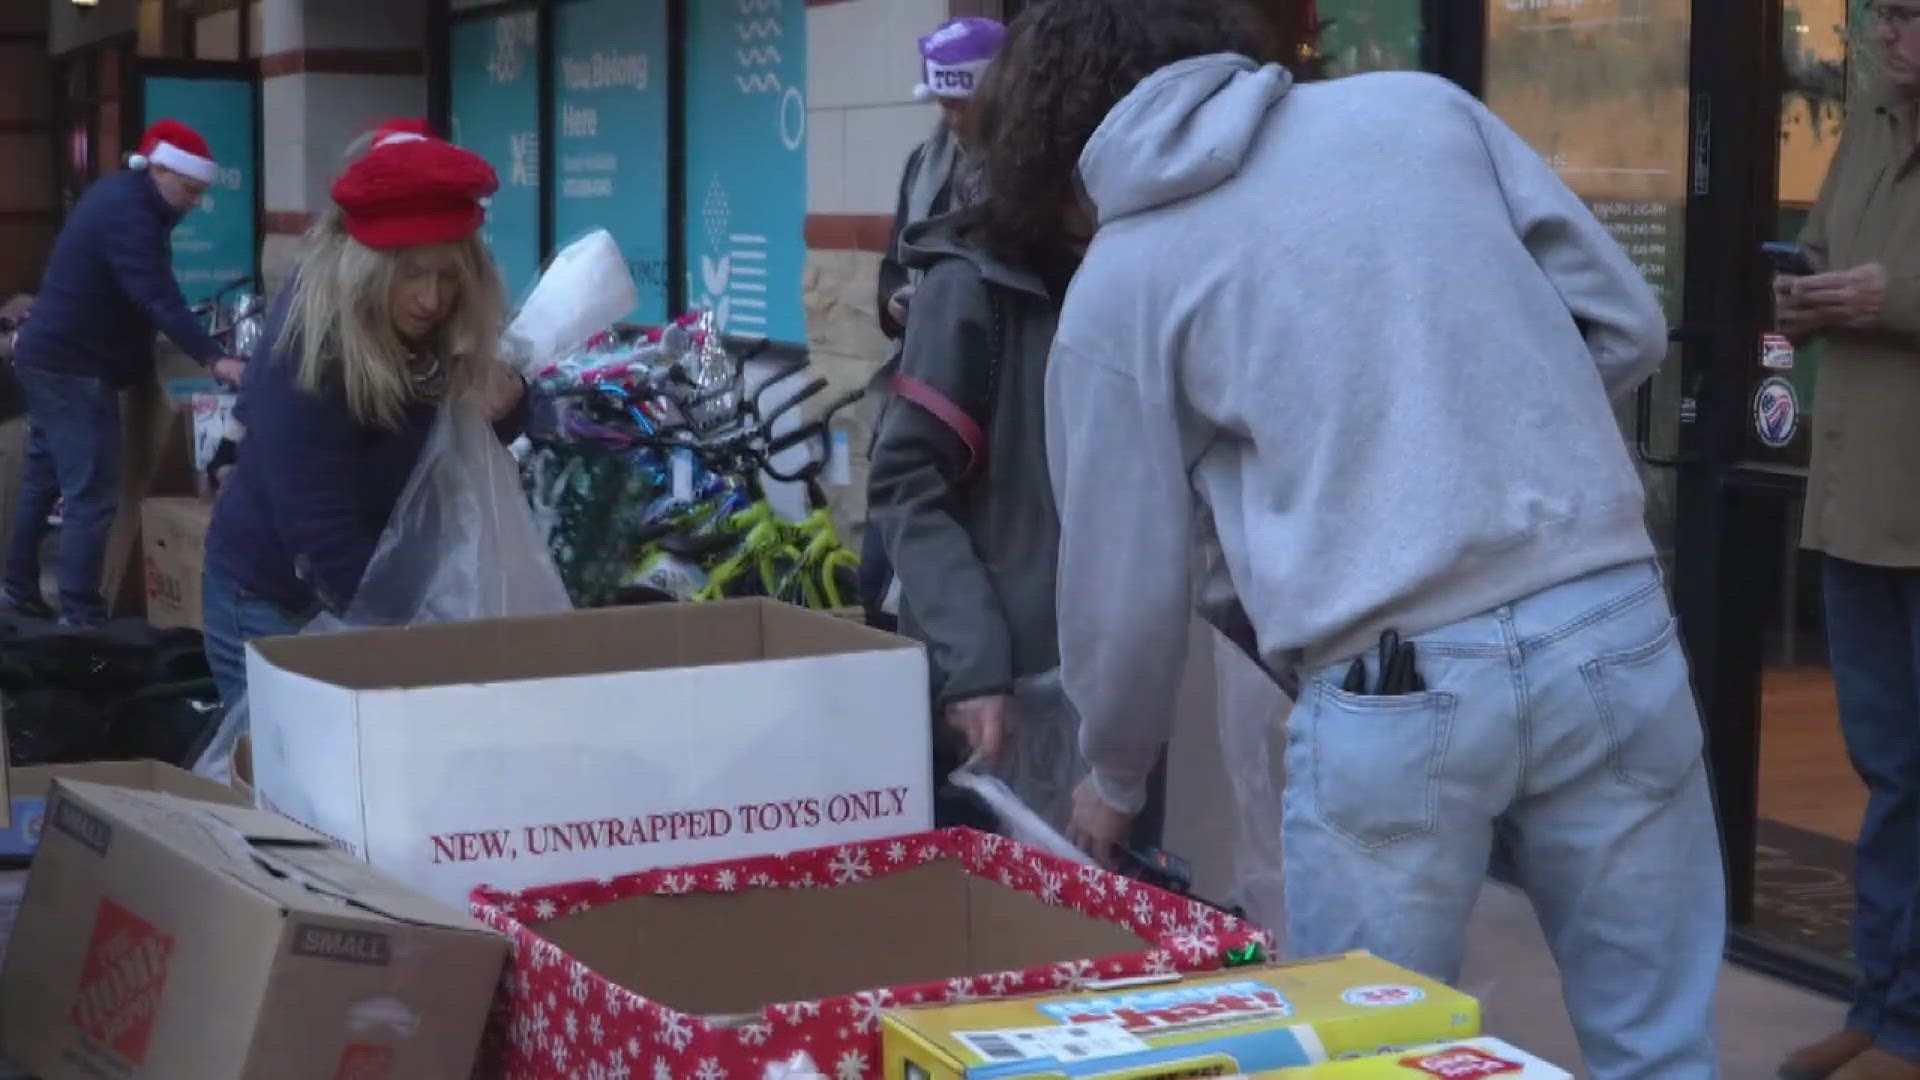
(1511, 973)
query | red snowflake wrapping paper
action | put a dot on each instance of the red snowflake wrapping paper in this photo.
(556, 1018)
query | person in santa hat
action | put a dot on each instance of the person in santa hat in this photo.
(108, 287)
(394, 309)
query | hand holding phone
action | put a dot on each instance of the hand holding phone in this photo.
(1789, 260)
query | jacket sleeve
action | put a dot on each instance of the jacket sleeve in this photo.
(1618, 313)
(893, 275)
(1125, 593)
(308, 445)
(916, 495)
(137, 251)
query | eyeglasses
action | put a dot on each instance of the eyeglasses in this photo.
(1896, 16)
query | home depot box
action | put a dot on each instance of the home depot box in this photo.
(1246, 1020)
(29, 788)
(174, 533)
(527, 751)
(725, 969)
(179, 940)
(1465, 1059)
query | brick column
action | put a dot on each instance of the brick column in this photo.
(329, 70)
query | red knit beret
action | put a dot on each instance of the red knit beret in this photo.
(411, 189)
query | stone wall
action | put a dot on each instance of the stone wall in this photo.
(847, 347)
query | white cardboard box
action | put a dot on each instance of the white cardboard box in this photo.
(530, 751)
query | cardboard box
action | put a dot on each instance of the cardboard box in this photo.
(174, 532)
(1467, 1059)
(1247, 1020)
(30, 786)
(156, 458)
(178, 940)
(527, 751)
(722, 970)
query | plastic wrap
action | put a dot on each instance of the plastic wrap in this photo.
(461, 544)
(585, 289)
(1253, 718)
(1030, 788)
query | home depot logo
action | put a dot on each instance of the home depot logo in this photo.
(1461, 1063)
(122, 982)
(1180, 1007)
(364, 1061)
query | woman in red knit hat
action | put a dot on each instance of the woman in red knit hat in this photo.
(395, 309)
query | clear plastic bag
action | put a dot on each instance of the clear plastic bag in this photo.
(1030, 788)
(1253, 717)
(585, 289)
(461, 544)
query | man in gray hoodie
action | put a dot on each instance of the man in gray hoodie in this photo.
(1360, 339)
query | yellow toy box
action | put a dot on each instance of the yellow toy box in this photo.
(1468, 1059)
(1241, 1021)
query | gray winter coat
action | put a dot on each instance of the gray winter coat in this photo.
(974, 545)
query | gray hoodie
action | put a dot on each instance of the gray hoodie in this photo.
(1362, 335)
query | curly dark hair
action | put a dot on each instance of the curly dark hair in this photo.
(1065, 65)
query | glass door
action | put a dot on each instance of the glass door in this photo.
(1697, 129)
(1809, 800)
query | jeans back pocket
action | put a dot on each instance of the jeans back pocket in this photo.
(1646, 703)
(1376, 762)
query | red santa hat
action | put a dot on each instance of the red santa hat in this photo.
(411, 188)
(171, 144)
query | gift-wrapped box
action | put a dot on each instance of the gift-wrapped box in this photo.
(716, 971)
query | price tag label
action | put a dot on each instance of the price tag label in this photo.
(839, 466)
(682, 480)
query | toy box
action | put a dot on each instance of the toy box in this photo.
(1468, 1059)
(1244, 1021)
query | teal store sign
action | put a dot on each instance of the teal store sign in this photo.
(496, 114)
(214, 246)
(746, 116)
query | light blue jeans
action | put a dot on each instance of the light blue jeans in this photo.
(1566, 722)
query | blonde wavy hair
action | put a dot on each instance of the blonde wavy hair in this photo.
(342, 327)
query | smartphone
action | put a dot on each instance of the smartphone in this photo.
(1788, 259)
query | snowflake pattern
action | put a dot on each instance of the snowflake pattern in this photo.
(867, 1007)
(849, 866)
(559, 1018)
(1072, 974)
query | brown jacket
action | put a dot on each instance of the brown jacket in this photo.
(1863, 494)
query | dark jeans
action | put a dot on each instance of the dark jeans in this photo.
(232, 617)
(1873, 632)
(73, 452)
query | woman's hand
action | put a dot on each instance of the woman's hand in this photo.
(985, 722)
(500, 392)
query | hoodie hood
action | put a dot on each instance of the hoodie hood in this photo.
(1183, 131)
(927, 242)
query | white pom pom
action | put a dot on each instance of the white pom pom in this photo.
(136, 161)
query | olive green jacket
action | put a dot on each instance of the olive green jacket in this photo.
(1863, 494)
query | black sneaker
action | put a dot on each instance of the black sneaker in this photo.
(27, 609)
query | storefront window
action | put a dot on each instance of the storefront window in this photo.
(746, 181)
(1369, 35)
(611, 102)
(1601, 89)
(495, 112)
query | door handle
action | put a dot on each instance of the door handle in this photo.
(1687, 337)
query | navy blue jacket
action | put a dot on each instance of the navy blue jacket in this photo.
(109, 286)
(312, 488)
